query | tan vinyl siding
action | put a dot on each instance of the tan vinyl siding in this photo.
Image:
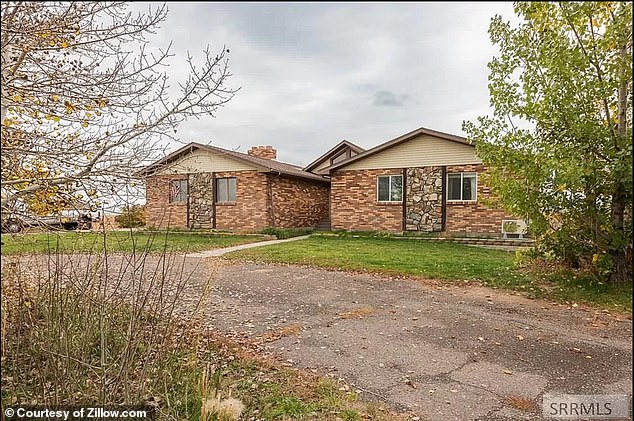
(204, 161)
(321, 166)
(421, 151)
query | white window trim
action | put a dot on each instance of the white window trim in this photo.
(216, 192)
(389, 191)
(475, 199)
(171, 198)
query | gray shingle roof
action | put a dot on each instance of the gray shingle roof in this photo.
(266, 165)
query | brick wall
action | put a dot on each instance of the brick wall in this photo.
(298, 203)
(250, 211)
(160, 212)
(355, 206)
(266, 152)
(473, 218)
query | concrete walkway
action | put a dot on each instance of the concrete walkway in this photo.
(220, 252)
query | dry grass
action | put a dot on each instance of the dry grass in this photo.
(520, 402)
(130, 329)
(290, 330)
(357, 313)
(93, 328)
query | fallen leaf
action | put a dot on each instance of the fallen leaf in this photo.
(509, 372)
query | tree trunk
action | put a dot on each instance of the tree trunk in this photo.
(619, 273)
(620, 240)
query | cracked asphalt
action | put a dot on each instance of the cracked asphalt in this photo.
(438, 351)
(442, 352)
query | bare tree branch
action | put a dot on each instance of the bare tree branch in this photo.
(86, 98)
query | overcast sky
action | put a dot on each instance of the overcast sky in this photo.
(313, 74)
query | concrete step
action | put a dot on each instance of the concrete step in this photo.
(323, 225)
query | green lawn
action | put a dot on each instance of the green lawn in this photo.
(119, 241)
(443, 261)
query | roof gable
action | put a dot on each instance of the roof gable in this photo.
(251, 162)
(421, 133)
(334, 151)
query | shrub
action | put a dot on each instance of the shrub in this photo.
(282, 233)
(84, 329)
(132, 217)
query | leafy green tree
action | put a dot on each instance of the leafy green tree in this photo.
(565, 71)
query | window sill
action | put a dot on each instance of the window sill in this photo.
(462, 202)
(225, 203)
(399, 203)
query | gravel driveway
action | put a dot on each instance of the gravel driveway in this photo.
(442, 352)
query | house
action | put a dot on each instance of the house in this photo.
(424, 180)
(201, 186)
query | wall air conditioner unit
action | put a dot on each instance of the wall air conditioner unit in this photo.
(513, 228)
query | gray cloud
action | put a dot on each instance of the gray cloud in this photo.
(390, 99)
(312, 74)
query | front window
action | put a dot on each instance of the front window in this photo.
(461, 186)
(390, 188)
(178, 191)
(226, 189)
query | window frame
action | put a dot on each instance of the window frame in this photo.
(171, 189)
(389, 191)
(345, 154)
(462, 174)
(235, 193)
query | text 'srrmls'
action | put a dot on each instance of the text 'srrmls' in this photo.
(596, 407)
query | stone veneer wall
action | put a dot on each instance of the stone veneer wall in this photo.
(354, 202)
(424, 199)
(474, 217)
(201, 200)
(297, 203)
(250, 211)
(160, 212)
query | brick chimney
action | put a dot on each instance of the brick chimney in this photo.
(266, 152)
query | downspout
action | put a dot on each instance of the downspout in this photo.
(271, 199)
(404, 221)
(443, 200)
(213, 200)
(189, 222)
